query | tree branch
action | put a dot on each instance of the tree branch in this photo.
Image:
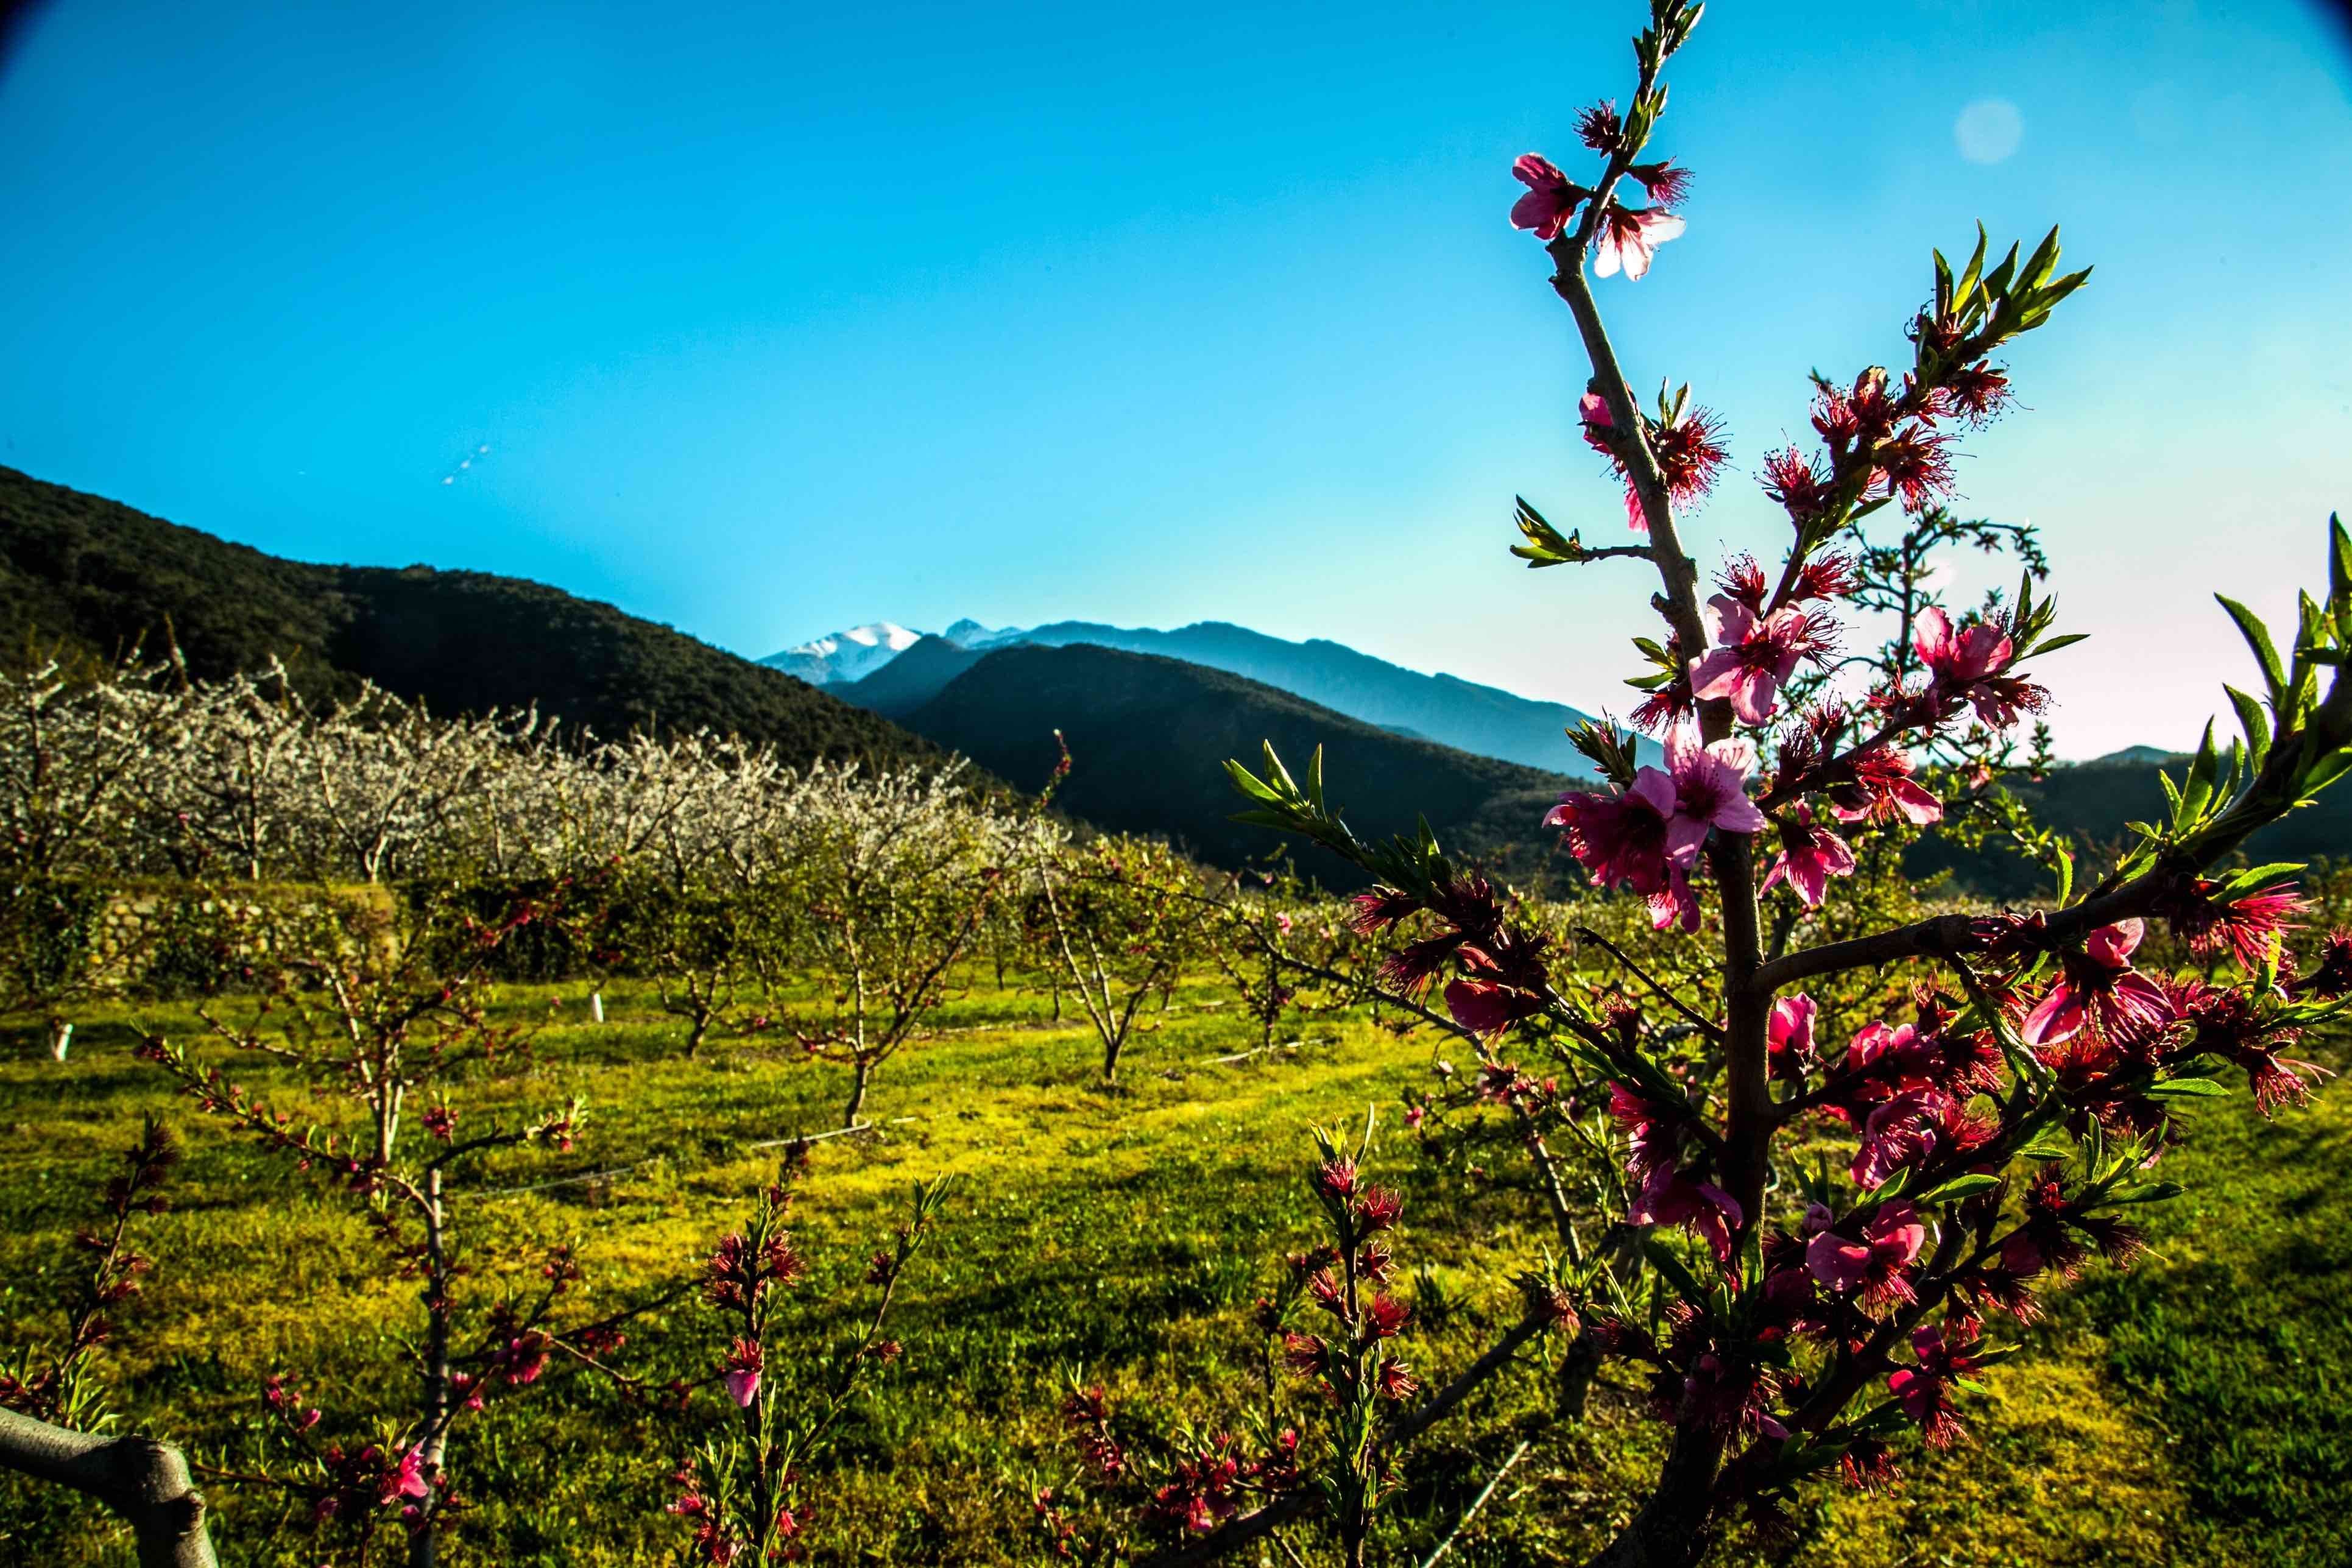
(145, 1481)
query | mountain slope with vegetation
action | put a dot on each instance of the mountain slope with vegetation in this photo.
(2092, 803)
(1148, 737)
(83, 575)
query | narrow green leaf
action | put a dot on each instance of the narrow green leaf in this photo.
(2148, 1192)
(1248, 783)
(2185, 1088)
(2258, 637)
(1959, 1187)
(2052, 645)
(2254, 721)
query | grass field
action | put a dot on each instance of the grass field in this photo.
(2193, 1411)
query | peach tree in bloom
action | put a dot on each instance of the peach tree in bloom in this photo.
(386, 1008)
(2007, 1114)
(744, 1490)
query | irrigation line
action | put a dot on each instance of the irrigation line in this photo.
(1476, 1504)
(655, 1159)
(1279, 1046)
(819, 1137)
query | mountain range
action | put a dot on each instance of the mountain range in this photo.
(1148, 724)
(897, 671)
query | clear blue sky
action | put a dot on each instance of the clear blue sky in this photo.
(776, 318)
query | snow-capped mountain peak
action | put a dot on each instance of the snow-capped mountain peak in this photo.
(847, 655)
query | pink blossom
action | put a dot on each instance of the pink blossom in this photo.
(1676, 1197)
(1675, 904)
(1620, 837)
(1689, 452)
(1891, 1240)
(1629, 237)
(1667, 186)
(1882, 791)
(2099, 986)
(1957, 659)
(1924, 1391)
(1903, 1130)
(1652, 1128)
(1754, 654)
(1483, 1007)
(1789, 1035)
(410, 1479)
(1710, 790)
(1809, 855)
(745, 1358)
(1551, 199)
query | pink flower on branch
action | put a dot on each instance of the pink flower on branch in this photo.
(1809, 855)
(2099, 987)
(1788, 1036)
(1667, 186)
(1551, 199)
(1688, 449)
(1629, 236)
(1710, 784)
(1676, 1197)
(1925, 1391)
(1875, 1265)
(745, 1361)
(1882, 790)
(1754, 654)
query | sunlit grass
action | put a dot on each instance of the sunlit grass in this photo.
(2187, 1412)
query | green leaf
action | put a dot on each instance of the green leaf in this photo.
(2045, 1148)
(1663, 1259)
(2247, 879)
(2258, 637)
(1975, 271)
(2052, 645)
(2323, 773)
(1278, 775)
(2040, 266)
(2254, 721)
(1959, 1187)
(2185, 1088)
(1248, 783)
(2148, 1192)
(2189, 809)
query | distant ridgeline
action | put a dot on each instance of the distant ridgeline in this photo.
(1150, 716)
(892, 670)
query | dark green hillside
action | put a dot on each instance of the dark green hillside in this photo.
(2093, 801)
(82, 574)
(1150, 735)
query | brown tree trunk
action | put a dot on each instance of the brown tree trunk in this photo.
(1672, 1529)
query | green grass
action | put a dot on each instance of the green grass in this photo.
(2188, 1412)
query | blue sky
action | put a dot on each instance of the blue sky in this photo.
(779, 319)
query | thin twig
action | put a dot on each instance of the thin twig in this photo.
(1712, 1030)
(1476, 1504)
